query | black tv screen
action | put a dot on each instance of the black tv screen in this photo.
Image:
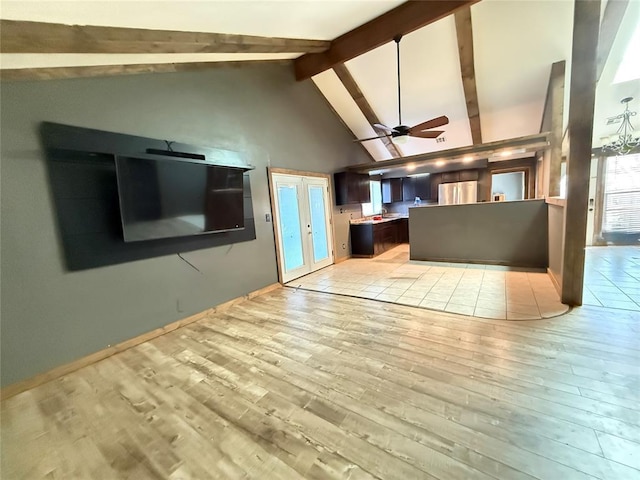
(164, 198)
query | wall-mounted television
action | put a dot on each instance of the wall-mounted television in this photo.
(165, 198)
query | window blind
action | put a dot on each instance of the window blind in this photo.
(622, 195)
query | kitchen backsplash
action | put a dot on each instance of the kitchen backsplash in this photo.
(403, 207)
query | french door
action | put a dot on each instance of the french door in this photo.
(302, 224)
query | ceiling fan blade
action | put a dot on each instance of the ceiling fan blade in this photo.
(380, 126)
(433, 123)
(427, 134)
(371, 138)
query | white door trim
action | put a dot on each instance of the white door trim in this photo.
(271, 171)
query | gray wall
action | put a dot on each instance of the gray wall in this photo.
(51, 316)
(503, 233)
(556, 241)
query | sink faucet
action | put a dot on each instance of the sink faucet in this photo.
(384, 210)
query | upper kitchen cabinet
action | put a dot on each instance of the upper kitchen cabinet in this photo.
(461, 176)
(351, 188)
(391, 190)
(468, 175)
(413, 187)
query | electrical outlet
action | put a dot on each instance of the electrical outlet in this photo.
(267, 217)
(344, 246)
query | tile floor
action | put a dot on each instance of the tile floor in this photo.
(486, 291)
(612, 277)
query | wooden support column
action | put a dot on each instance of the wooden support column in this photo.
(464, 32)
(352, 87)
(586, 22)
(552, 120)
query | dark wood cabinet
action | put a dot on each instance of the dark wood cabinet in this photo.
(408, 189)
(423, 187)
(403, 230)
(450, 177)
(436, 180)
(371, 239)
(351, 188)
(391, 190)
(468, 175)
(413, 187)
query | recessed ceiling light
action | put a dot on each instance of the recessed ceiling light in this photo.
(440, 163)
(410, 167)
(467, 159)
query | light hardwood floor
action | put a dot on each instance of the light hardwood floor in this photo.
(300, 384)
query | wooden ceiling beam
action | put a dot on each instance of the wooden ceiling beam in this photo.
(528, 144)
(552, 121)
(53, 73)
(352, 87)
(464, 32)
(611, 20)
(404, 19)
(18, 36)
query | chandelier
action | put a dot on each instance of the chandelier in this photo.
(626, 138)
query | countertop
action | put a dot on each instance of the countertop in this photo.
(369, 221)
(477, 203)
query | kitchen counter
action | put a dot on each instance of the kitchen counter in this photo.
(370, 221)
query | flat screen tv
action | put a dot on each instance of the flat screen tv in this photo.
(164, 198)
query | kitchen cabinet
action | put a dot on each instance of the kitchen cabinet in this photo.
(391, 190)
(371, 239)
(403, 230)
(408, 189)
(450, 177)
(468, 175)
(413, 187)
(351, 188)
(423, 187)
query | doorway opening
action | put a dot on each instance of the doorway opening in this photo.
(508, 186)
(303, 226)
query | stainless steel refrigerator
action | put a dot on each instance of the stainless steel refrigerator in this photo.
(457, 193)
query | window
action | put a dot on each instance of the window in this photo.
(375, 207)
(622, 195)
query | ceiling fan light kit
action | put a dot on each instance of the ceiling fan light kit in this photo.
(400, 134)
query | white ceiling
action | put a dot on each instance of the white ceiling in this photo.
(515, 43)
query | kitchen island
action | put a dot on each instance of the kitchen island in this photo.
(498, 233)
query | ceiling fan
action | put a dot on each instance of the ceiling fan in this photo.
(401, 133)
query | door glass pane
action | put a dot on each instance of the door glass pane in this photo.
(318, 223)
(290, 227)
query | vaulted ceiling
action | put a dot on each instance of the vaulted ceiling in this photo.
(514, 44)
